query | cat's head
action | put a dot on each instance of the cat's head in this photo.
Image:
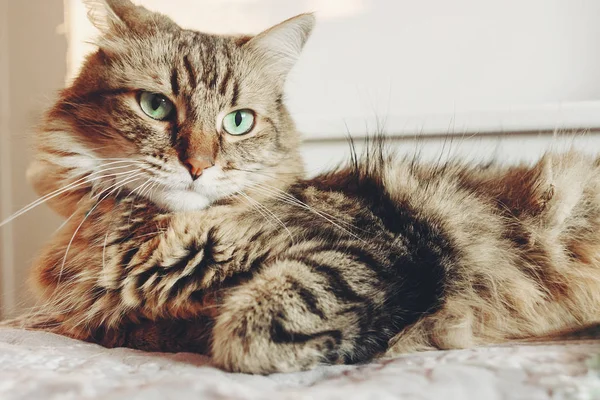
(198, 117)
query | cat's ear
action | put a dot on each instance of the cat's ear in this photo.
(107, 15)
(119, 15)
(279, 47)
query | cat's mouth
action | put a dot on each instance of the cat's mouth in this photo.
(198, 194)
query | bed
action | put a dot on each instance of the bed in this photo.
(40, 365)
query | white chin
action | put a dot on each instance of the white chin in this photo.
(181, 200)
(190, 196)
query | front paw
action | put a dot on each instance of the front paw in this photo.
(275, 324)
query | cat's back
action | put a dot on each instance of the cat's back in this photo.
(528, 238)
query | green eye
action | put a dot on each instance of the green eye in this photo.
(239, 122)
(156, 106)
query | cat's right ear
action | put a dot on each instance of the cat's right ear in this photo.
(122, 15)
(106, 15)
(279, 47)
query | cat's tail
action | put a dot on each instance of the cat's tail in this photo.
(586, 332)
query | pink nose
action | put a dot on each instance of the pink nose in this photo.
(197, 164)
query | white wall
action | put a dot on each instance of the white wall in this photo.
(506, 149)
(6, 237)
(32, 69)
(422, 61)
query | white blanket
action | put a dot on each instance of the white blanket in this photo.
(37, 365)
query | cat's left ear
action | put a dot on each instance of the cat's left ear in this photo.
(279, 47)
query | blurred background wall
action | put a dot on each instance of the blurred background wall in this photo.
(470, 78)
(32, 69)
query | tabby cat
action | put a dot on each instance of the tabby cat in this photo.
(191, 227)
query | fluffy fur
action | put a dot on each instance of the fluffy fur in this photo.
(280, 273)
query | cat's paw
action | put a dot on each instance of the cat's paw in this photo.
(261, 344)
(270, 324)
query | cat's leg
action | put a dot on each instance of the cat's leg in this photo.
(80, 275)
(296, 313)
(126, 262)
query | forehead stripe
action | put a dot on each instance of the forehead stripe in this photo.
(224, 82)
(190, 71)
(234, 96)
(175, 81)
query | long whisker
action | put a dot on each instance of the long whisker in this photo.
(269, 212)
(262, 209)
(80, 182)
(58, 300)
(144, 189)
(107, 232)
(293, 201)
(65, 222)
(312, 209)
(139, 188)
(274, 176)
(116, 187)
(132, 193)
(252, 204)
(289, 199)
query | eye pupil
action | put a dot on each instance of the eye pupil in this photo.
(156, 102)
(238, 118)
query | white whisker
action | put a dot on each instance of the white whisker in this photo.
(289, 199)
(116, 187)
(80, 182)
(258, 204)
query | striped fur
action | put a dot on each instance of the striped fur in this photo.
(383, 256)
(375, 259)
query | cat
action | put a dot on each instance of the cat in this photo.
(192, 228)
